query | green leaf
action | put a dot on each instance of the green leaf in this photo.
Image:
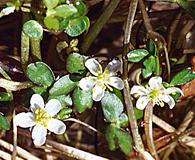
(151, 47)
(81, 7)
(150, 66)
(118, 137)
(137, 55)
(123, 120)
(65, 11)
(63, 23)
(40, 73)
(63, 86)
(112, 107)
(33, 29)
(39, 90)
(82, 99)
(77, 26)
(75, 63)
(3, 122)
(4, 96)
(64, 113)
(50, 4)
(183, 77)
(124, 140)
(64, 99)
(138, 113)
(51, 23)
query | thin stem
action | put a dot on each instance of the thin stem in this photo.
(168, 63)
(148, 129)
(97, 27)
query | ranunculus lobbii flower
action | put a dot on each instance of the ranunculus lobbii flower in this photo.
(100, 80)
(41, 119)
(155, 92)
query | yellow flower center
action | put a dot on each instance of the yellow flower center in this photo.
(42, 117)
(154, 93)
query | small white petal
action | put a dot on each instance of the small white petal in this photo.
(39, 135)
(98, 93)
(56, 126)
(87, 83)
(171, 102)
(142, 102)
(116, 82)
(114, 66)
(52, 107)
(173, 90)
(140, 90)
(36, 101)
(24, 120)
(155, 82)
(93, 66)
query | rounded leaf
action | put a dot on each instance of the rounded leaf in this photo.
(33, 29)
(3, 122)
(64, 99)
(112, 107)
(51, 23)
(65, 11)
(77, 26)
(50, 4)
(63, 86)
(81, 7)
(82, 99)
(137, 55)
(75, 63)
(40, 73)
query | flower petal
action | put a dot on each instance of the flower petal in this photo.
(173, 90)
(155, 82)
(87, 83)
(56, 126)
(98, 92)
(39, 135)
(140, 90)
(93, 66)
(116, 82)
(24, 120)
(114, 66)
(52, 107)
(142, 102)
(36, 101)
(168, 99)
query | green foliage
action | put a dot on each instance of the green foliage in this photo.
(151, 47)
(82, 99)
(137, 55)
(64, 11)
(150, 66)
(75, 63)
(118, 137)
(183, 77)
(64, 113)
(65, 100)
(63, 86)
(50, 4)
(40, 73)
(77, 26)
(138, 113)
(112, 107)
(3, 122)
(51, 23)
(4, 96)
(33, 29)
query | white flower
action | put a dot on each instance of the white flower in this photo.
(101, 80)
(7, 11)
(155, 92)
(41, 118)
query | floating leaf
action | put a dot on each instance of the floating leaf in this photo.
(33, 29)
(75, 63)
(64, 99)
(50, 4)
(82, 99)
(63, 86)
(183, 77)
(112, 107)
(65, 11)
(3, 122)
(51, 23)
(40, 73)
(118, 137)
(137, 55)
(77, 26)
(4, 96)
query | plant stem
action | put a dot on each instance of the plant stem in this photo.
(97, 27)
(148, 129)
